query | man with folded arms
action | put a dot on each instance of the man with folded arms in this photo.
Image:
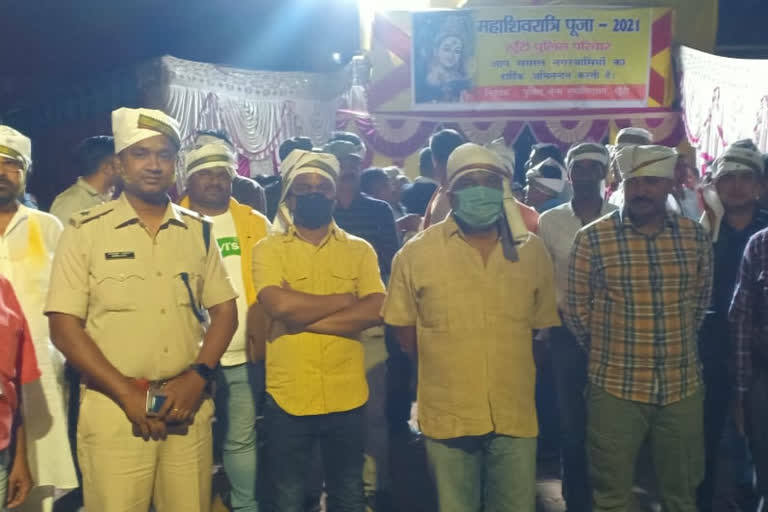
(321, 287)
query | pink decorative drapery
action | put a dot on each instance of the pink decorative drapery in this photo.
(259, 109)
(724, 100)
(398, 136)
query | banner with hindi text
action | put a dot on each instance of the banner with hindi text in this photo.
(539, 58)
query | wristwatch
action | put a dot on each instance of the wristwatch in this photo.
(203, 370)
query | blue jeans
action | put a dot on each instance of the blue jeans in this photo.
(490, 473)
(289, 443)
(376, 476)
(239, 392)
(399, 393)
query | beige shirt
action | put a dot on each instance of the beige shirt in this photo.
(130, 289)
(80, 196)
(26, 254)
(474, 325)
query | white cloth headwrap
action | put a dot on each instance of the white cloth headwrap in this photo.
(640, 161)
(300, 162)
(209, 156)
(471, 157)
(507, 154)
(739, 159)
(587, 151)
(16, 146)
(634, 133)
(204, 139)
(554, 186)
(735, 160)
(132, 125)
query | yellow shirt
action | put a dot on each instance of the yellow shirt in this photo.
(474, 326)
(310, 373)
(129, 289)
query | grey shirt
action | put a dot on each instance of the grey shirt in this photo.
(80, 196)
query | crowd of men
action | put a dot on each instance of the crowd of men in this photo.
(298, 313)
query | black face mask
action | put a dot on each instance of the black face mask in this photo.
(313, 210)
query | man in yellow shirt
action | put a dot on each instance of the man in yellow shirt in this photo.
(321, 287)
(470, 320)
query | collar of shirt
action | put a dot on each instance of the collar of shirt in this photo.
(451, 228)
(125, 214)
(758, 222)
(605, 208)
(22, 213)
(670, 221)
(333, 231)
(89, 188)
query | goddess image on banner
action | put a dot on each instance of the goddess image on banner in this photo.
(444, 59)
(533, 57)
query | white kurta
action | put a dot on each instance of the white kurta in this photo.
(26, 255)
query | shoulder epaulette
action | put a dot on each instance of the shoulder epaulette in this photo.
(207, 224)
(86, 216)
(195, 215)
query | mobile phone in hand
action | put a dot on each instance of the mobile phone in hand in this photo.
(155, 400)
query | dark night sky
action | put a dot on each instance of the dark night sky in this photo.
(54, 43)
(743, 22)
(66, 41)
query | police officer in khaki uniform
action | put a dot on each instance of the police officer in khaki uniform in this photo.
(131, 282)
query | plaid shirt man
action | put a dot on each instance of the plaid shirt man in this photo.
(637, 302)
(749, 309)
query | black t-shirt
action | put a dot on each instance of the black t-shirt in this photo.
(373, 221)
(728, 252)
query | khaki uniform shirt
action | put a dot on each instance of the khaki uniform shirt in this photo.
(474, 325)
(130, 289)
(79, 196)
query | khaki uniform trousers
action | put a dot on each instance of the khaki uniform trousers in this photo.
(124, 473)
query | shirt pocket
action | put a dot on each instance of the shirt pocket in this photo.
(188, 287)
(343, 279)
(119, 285)
(512, 299)
(297, 279)
(437, 300)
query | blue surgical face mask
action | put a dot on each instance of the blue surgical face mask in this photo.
(479, 206)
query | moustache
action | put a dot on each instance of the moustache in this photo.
(641, 200)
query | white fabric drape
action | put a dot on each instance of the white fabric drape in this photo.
(724, 100)
(258, 109)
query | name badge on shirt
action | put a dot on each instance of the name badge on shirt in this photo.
(122, 255)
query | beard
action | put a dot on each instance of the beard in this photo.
(9, 192)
